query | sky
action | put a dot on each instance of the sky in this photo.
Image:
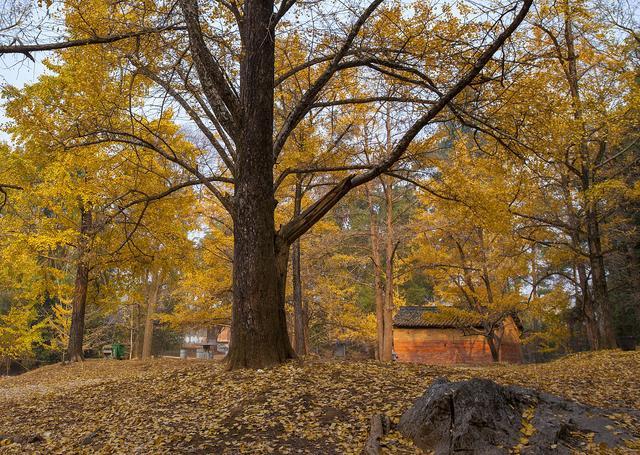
(18, 71)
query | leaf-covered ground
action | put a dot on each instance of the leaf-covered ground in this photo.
(173, 406)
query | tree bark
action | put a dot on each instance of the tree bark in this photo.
(588, 313)
(259, 335)
(152, 301)
(75, 351)
(387, 352)
(493, 346)
(380, 425)
(300, 328)
(374, 235)
(599, 279)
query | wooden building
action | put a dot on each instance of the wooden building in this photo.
(427, 335)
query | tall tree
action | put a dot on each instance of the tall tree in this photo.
(239, 114)
(566, 120)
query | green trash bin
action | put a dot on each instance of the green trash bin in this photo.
(117, 351)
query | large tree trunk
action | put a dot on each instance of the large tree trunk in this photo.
(259, 335)
(387, 352)
(152, 301)
(299, 316)
(76, 333)
(377, 274)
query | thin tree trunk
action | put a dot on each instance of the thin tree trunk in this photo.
(298, 308)
(387, 352)
(599, 279)
(300, 320)
(534, 271)
(212, 336)
(493, 339)
(75, 351)
(132, 340)
(377, 273)
(139, 328)
(305, 313)
(152, 301)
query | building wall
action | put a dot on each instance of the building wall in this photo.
(451, 346)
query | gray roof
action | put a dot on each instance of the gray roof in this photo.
(431, 317)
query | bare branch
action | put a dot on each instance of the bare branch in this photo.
(309, 97)
(26, 49)
(302, 223)
(372, 99)
(195, 117)
(215, 84)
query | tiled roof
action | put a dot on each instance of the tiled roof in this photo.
(431, 317)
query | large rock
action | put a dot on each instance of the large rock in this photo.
(482, 417)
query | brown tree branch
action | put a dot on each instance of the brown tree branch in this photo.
(193, 114)
(310, 96)
(215, 84)
(301, 224)
(26, 49)
(372, 99)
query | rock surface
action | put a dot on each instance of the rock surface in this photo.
(481, 417)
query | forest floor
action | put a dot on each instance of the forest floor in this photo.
(316, 407)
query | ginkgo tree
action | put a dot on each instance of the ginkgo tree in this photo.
(466, 240)
(19, 333)
(566, 114)
(232, 48)
(202, 290)
(88, 204)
